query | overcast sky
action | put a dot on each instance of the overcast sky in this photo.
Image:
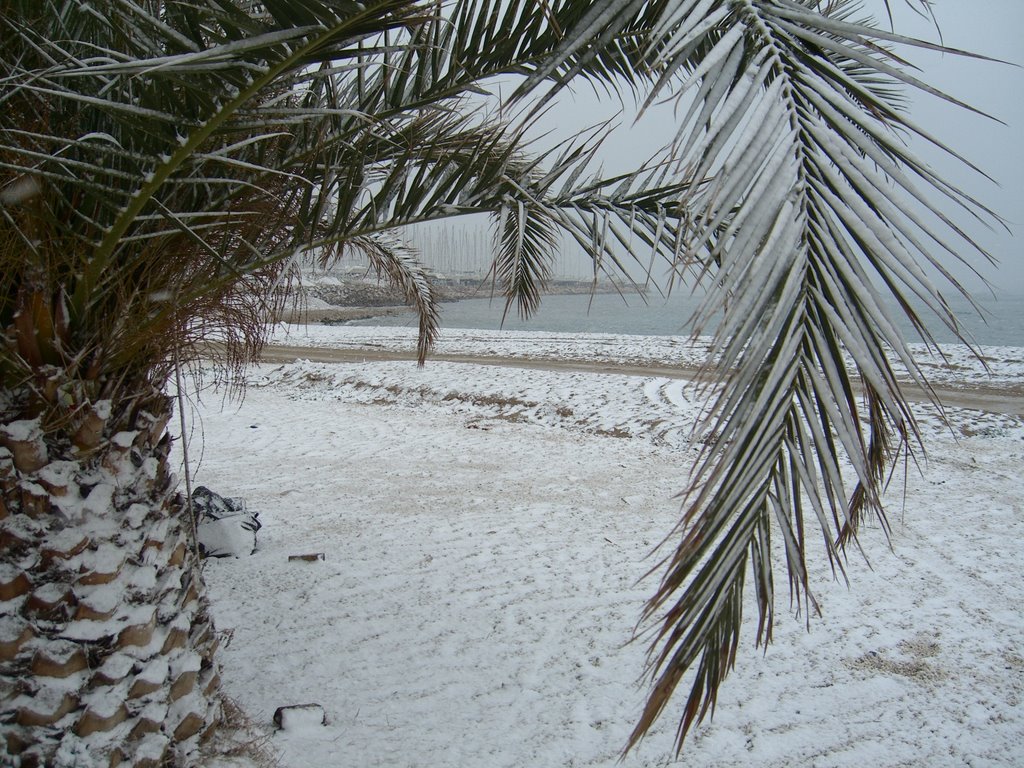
(990, 27)
(994, 28)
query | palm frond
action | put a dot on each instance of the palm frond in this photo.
(527, 243)
(805, 214)
(397, 262)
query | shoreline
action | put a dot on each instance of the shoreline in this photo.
(577, 307)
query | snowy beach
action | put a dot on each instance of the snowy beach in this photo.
(486, 531)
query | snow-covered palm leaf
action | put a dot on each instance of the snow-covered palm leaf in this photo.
(526, 246)
(397, 262)
(555, 39)
(808, 211)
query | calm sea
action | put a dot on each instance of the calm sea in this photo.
(1003, 324)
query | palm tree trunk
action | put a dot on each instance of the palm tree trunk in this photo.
(106, 643)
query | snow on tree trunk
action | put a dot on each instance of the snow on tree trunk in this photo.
(106, 645)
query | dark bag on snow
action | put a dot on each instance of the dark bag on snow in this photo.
(224, 526)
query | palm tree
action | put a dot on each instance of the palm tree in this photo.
(162, 165)
(164, 162)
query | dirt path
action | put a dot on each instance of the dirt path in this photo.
(1006, 400)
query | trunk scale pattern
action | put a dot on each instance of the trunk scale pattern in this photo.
(106, 644)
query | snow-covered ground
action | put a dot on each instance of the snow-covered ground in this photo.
(486, 531)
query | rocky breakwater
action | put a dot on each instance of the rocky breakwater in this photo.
(339, 301)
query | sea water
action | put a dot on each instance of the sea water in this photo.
(1000, 322)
